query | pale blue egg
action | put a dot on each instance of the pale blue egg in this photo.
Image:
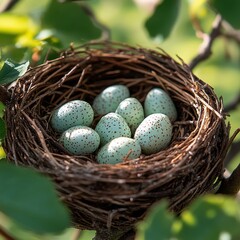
(73, 113)
(108, 100)
(80, 140)
(119, 150)
(158, 101)
(154, 133)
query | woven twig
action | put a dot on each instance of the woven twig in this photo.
(117, 196)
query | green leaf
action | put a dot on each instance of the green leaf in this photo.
(11, 71)
(157, 224)
(160, 24)
(209, 217)
(69, 22)
(229, 10)
(2, 108)
(30, 200)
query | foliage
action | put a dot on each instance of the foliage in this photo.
(229, 12)
(34, 204)
(210, 218)
(12, 71)
(163, 19)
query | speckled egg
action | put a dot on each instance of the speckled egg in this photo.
(154, 133)
(111, 126)
(108, 100)
(118, 150)
(73, 113)
(80, 140)
(132, 111)
(158, 101)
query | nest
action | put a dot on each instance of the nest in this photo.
(117, 196)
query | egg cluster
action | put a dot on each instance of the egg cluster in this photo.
(126, 129)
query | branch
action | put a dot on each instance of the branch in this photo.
(205, 50)
(230, 32)
(77, 234)
(5, 235)
(8, 5)
(231, 185)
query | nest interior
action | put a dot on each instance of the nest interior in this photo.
(117, 196)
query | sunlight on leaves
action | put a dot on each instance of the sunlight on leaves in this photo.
(208, 217)
(2, 153)
(14, 24)
(198, 8)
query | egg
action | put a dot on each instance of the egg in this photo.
(118, 150)
(111, 126)
(158, 101)
(154, 133)
(73, 113)
(132, 111)
(80, 140)
(108, 100)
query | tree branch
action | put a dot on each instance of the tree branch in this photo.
(206, 47)
(5, 235)
(231, 185)
(8, 5)
(77, 234)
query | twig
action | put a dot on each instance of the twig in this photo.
(5, 235)
(8, 5)
(77, 234)
(231, 185)
(206, 47)
(233, 104)
(230, 33)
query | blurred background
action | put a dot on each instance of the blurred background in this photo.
(32, 30)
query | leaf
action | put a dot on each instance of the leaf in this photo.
(198, 8)
(2, 153)
(157, 225)
(30, 200)
(69, 23)
(11, 71)
(209, 217)
(161, 23)
(2, 108)
(229, 10)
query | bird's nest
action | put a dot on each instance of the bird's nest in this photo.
(116, 196)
